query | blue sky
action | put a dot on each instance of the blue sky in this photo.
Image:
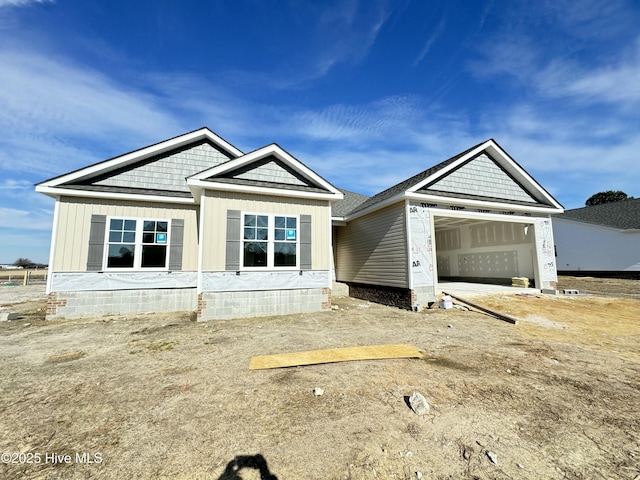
(366, 93)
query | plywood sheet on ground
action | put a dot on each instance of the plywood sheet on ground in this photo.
(315, 357)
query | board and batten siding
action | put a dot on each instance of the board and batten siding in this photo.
(74, 224)
(216, 205)
(372, 249)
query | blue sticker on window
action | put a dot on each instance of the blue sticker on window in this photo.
(291, 234)
(161, 238)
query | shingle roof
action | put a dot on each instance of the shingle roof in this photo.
(349, 203)
(408, 183)
(624, 214)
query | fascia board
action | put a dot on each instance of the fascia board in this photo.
(517, 171)
(278, 192)
(507, 163)
(263, 152)
(421, 197)
(142, 154)
(58, 192)
(489, 217)
(448, 168)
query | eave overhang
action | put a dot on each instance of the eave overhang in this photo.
(140, 155)
(57, 192)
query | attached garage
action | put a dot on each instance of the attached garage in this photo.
(476, 217)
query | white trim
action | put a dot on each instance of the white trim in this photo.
(141, 154)
(56, 192)
(201, 241)
(444, 171)
(332, 266)
(269, 150)
(444, 201)
(138, 245)
(271, 241)
(482, 204)
(511, 165)
(488, 217)
(52, 248)
(505, 161)
(196, 185)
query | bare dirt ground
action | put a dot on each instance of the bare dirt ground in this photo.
(162, 396)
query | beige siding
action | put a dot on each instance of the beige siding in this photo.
(373, 249)
(74, 222)
(215, 209)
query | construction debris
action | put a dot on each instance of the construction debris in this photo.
(418, 403)
(521, 282)
(5, 316)
(315, 357)
(493, 457)
(446, 302)
(498, 315)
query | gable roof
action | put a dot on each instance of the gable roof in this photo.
(456, 181)
(623, 215)
(348, 204)
(156, 171)
(268, 170)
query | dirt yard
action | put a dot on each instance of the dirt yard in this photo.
(556, 396)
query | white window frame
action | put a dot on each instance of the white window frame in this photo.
(271, 241)
(137, 257)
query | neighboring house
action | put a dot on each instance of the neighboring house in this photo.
(193, 223)
(601, 239)
(477, 216)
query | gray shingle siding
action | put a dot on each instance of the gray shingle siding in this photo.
(410, 182)
(167, 172)
(484, 178)
(272, 171)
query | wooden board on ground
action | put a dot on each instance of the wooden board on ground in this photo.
(332, 355)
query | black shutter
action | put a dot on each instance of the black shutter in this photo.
(96, 242)
(175, 249)
(305, 242)
(232, 259)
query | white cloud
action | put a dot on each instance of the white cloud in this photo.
(25, 219)
(55, 111)
(430, 41)
(585, 54)
(21, 3)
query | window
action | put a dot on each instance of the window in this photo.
(270, 241)
(256, 240)
(137, 244)
(286, 242)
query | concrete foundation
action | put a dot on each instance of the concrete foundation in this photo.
(261, 303)
(119, 302)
